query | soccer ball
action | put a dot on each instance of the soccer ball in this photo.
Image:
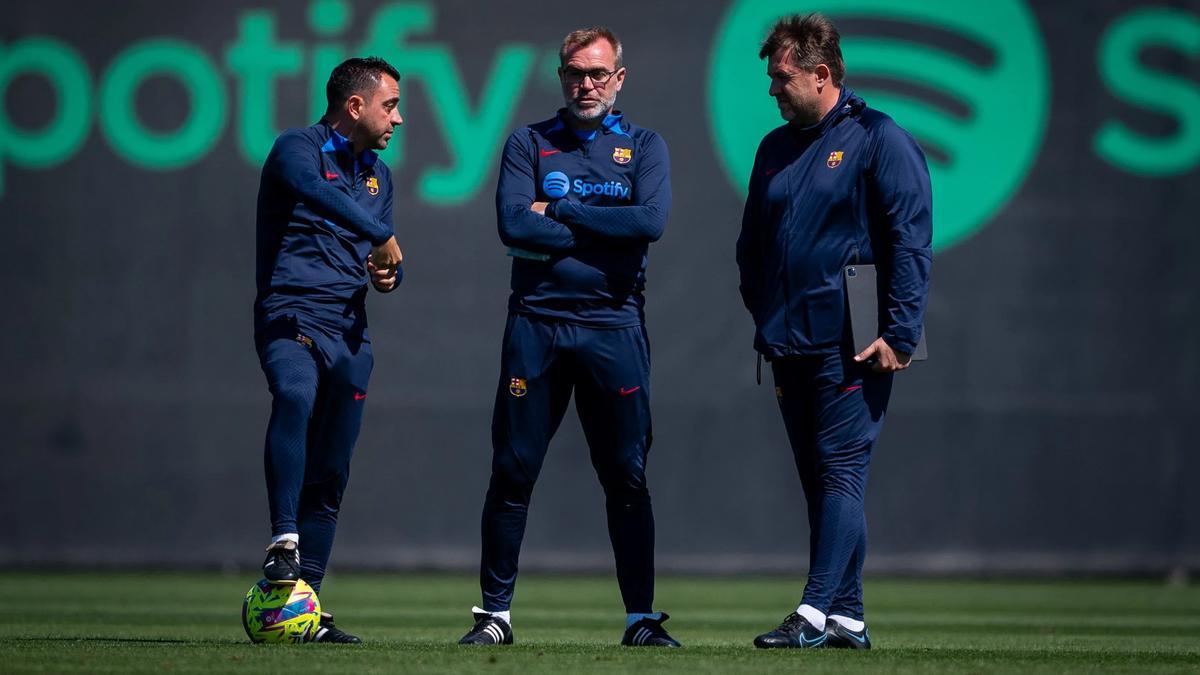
(281, 613)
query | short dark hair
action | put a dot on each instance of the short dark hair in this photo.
(586, 36)
(812, 39)
(356, 76)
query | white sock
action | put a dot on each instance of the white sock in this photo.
(286, 536)
(854, 625)
(631, 619)
(815, 616)
(505, 616)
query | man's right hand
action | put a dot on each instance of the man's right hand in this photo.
(384, 280)
(387, 255)
(887, 360)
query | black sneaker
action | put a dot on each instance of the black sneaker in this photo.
(488, 630)
(840, 637)
(282, 565)
(794, 632)
(649, 632)
(331, 634)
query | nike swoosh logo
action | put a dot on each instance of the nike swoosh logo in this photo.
(547, 153)
(811, 643)
(861, 638)
(625, 392)
(358, 396)
(329, 175)
(853, 387)
(270, 563)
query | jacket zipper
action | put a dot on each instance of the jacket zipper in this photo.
(787, 282)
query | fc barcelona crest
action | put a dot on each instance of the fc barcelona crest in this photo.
(516, 387)
(835, 158)
(622, 155)
(373, 186)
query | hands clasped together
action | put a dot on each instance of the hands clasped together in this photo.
(384, 264)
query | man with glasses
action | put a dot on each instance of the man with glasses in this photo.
(580, 198)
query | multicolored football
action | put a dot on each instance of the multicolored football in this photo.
(281, 614)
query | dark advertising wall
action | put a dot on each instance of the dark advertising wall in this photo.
(1051, 429)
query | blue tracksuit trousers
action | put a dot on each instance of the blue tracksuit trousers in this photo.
(609, 371)
(318, 383)
(833, 409)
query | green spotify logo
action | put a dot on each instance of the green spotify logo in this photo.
(471, 124)
(979, 71)
(982, 134)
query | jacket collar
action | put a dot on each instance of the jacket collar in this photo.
(614, 123)
(848, 103)
(338, 144)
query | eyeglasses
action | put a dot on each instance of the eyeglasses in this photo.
(598, 77)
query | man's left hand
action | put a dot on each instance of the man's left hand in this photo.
(382, 278)
(887, 360)
(539, 207)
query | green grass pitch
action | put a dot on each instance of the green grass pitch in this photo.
(184, 623)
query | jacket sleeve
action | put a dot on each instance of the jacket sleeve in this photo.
(387, 219)
(642, 222)
(516, 191)
(295, 162)
(750, 240)
(388, 202)
(902, 223)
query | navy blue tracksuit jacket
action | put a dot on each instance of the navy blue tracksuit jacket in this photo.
(853, 189)
(320, 210)
(597, 267)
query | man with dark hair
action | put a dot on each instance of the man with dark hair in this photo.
(580, 198)
(324, 231)
(840, 184)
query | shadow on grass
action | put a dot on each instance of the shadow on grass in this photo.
(122, 640)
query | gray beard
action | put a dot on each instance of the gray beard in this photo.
(594, 114)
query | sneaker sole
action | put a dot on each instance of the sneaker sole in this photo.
(282, 582)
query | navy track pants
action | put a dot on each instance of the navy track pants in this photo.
(609, 372)
(318, 383)
(833, 409)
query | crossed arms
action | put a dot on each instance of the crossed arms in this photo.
(564, 225)
(291, 162)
